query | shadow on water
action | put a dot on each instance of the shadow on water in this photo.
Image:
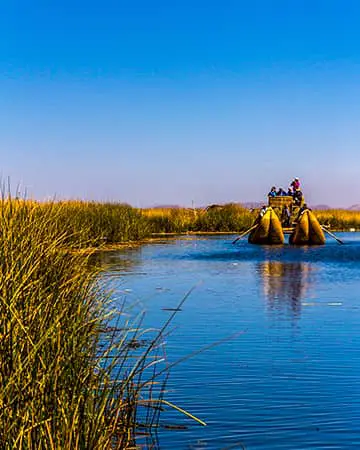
(285, 284)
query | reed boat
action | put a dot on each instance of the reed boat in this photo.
(282, 216)
(268, 230)
(307, 230)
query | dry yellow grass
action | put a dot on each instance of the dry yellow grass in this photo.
(339, 219)
(71, 374)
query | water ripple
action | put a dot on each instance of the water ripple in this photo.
(291, 381)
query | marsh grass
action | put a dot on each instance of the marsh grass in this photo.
(171, 220)
(97, 223)
(339, 219)
(76, 370)
(226, 218)
(232, 218)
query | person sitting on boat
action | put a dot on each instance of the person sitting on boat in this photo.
(261, 214)
(290, 192)
(286, 216)
(263, 210)
(304, 208)
(295, 184)
(298, 197)
(281, 192)
(272, 192)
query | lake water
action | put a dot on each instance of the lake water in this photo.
(291, 378)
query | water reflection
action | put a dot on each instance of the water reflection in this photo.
(126, 260)
(118, 261)
(285, 284)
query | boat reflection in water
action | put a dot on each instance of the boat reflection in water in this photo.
(285, 284)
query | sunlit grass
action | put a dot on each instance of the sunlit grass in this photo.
(171, 220)
(98, 223)
(224, 218)
(232, 218)
(75, 371)
(339, 219)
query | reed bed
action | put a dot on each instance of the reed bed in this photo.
(226, 218)
(96, 223)
(232, 218)
(75, 372)
(339, 219)
(171, 220)
(219, 218)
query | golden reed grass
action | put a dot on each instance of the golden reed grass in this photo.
(232, 218)
(339, 219)
(75, 372)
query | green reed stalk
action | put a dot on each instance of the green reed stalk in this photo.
(72, 372)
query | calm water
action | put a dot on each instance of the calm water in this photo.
(292, 379)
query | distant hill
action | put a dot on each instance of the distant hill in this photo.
(252, 205)
(320, 207)
(355, 207)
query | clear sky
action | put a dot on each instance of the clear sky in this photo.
(169, 102)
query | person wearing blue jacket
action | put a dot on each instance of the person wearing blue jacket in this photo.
(272, 192)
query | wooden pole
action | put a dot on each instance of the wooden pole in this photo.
(245, 233)
(332, 235)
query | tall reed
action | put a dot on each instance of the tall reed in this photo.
(171, 220)
(225, 218)
(339, 219)
(72, 375)
(96, 223)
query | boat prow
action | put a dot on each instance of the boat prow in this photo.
(286, 214)
(268, 230)
(307, 230)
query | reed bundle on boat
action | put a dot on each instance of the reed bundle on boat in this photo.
(269, 230)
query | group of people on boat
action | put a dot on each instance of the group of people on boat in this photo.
(293, 191)
(286, 213)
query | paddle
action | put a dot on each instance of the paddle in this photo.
(245, 233)
(332, 235)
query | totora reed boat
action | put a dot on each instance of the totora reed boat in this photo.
(307, 230)
(282, 216)
(268, 230)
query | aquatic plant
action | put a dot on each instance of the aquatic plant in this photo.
(227, 218)
(232, 218)
(75, 373)
(97, 223)
(339, 219)
(171, 220)
(219, 218)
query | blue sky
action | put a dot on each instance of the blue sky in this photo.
(178, 102)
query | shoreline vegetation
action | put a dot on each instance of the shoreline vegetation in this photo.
(106, 226)
(233, 218)
(86, 224)
(77, 369)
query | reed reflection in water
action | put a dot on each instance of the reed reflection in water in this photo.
(285, 284)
